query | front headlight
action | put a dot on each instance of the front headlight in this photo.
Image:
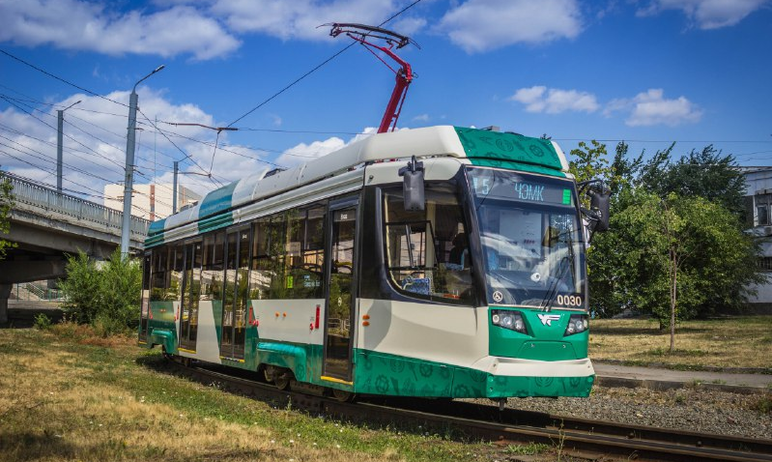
(511, 320)
(577, 324)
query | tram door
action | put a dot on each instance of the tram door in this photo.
(144, 312)
(340, 291)
(191, 293)
(234, 315)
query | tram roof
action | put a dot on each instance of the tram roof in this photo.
(480, 147)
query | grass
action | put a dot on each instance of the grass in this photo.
(69, 395)
(720, 343)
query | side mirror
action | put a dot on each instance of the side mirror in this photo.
(599, 205)
(413, 185)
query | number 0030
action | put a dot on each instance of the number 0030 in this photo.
(569, 300)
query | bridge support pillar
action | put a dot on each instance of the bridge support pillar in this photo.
(5, 292)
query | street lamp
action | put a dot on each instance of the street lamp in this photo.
(59, 156)
(126, 231)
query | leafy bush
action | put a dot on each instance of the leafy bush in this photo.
(106, 296)
(42, 322)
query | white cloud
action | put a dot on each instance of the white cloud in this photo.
(554, 100)
(95, 144)
(651, 108)
(483, 25)
(707, 14)
(300, 18)
(82, 25)
(421, 118)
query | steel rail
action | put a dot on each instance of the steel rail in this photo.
(572, 435)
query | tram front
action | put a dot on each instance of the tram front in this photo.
(528, 241)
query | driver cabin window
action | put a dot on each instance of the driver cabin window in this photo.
(427, 251)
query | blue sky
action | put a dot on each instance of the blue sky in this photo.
(649, 71)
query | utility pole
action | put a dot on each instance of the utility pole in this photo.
(129, 179)
(174, 187)
(59, 155)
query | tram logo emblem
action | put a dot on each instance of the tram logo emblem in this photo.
(547, 319)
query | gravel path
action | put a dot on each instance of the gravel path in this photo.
(702, 411)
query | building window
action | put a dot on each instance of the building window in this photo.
(763, 204)
(765, 264)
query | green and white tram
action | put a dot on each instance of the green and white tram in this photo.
(434, 262)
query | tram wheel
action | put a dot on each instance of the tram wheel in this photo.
(342, 395)
(282, 380)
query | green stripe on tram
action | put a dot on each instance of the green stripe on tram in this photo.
(380, 373)
(511, 151)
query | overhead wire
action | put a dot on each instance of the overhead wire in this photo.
(316, 68)
(60, 78)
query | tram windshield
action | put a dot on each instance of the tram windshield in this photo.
(530, 235)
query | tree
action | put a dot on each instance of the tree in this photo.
(706, 173)
(675, 246)
(6, 204)
(589, 162)
(675, 258)
(106, 296)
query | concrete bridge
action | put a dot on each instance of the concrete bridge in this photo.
(47, 225)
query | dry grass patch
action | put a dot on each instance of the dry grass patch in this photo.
(64, 399)
(725, 343)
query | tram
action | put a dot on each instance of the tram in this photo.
(441, 262)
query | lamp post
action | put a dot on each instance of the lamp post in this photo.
(59, 155)
(126, 230)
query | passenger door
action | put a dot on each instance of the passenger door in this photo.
(340, 273)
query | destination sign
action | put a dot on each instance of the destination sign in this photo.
(497, 184)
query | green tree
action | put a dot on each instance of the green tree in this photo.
(6, 204)
(589, 162)
(81, 289)
(106, 296)
(706, 173)
(669, 221)
(674, 258)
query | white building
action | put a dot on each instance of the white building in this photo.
(758, 209)
(150, 201)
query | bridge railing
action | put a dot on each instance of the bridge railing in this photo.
(48, 199)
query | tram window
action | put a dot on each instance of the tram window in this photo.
(159, 264)
(212, 268)
(305, 254)
(268, 263)
(177, 265)
(427, 251)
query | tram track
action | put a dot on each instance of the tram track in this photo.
(582, 437)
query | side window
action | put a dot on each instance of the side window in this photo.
(212, 268)
(288, 255)
(177, 266)
(269, 241)
(427, 251)
(160, 260)
(305, 253)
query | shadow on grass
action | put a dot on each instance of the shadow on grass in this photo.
(23, 446)
(647, 330)
(625, 331)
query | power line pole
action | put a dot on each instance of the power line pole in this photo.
(129, 179)
(174, 187)
(59, 142)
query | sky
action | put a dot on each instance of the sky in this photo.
(649, 72)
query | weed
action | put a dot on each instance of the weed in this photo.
(679, 398)
(529, 449)
(42, 322)
(764, 404)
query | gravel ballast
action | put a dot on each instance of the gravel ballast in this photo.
(689, 408)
